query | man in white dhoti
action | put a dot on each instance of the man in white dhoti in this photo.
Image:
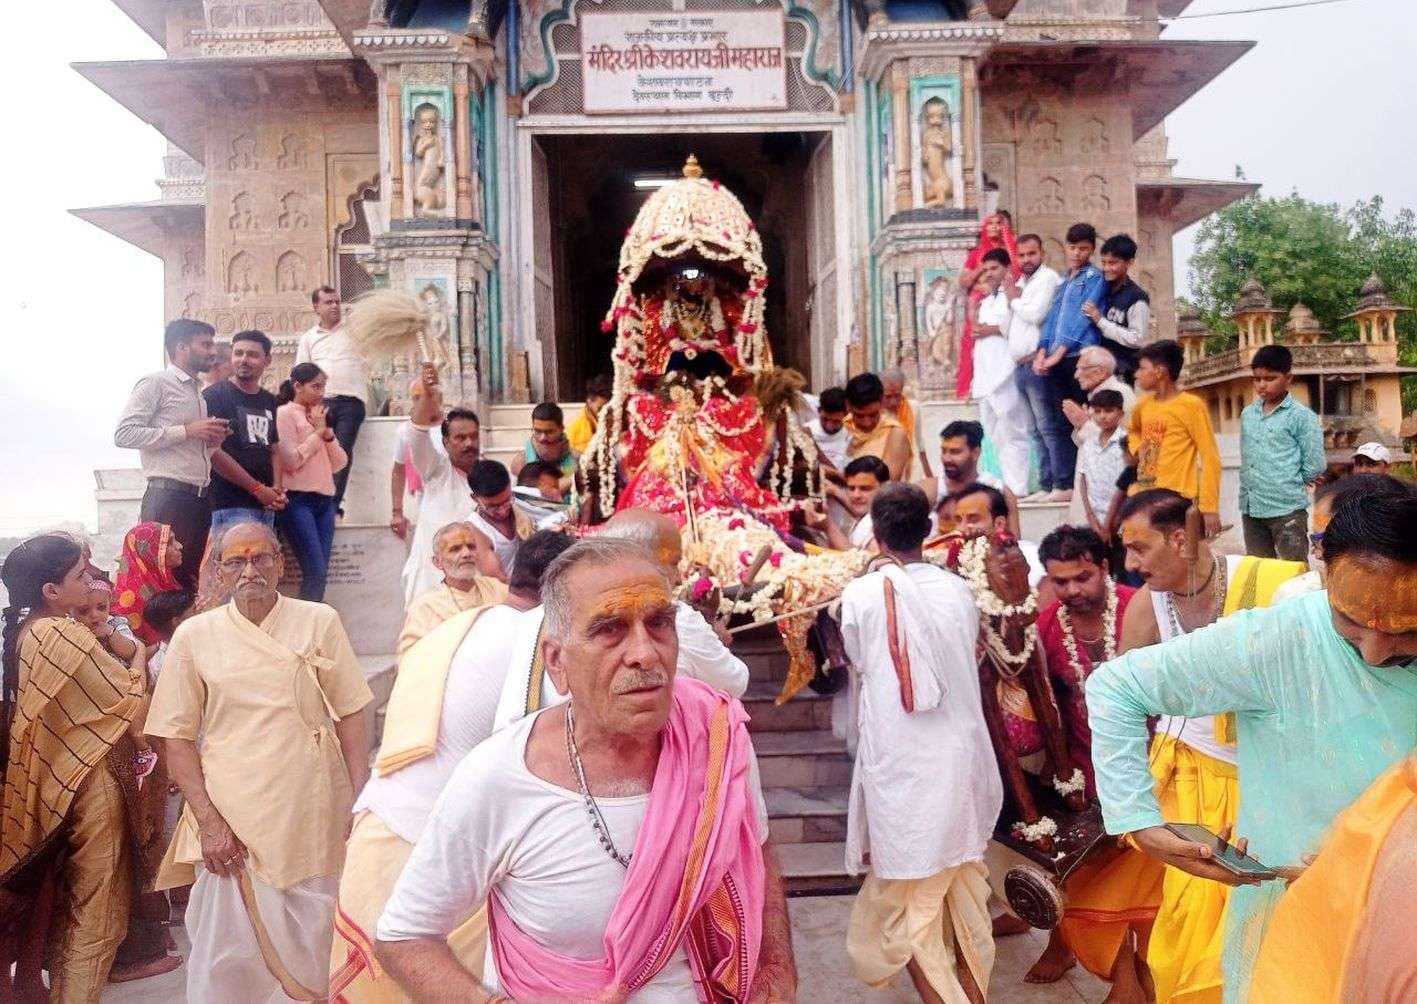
(446, 496)
(1002, 410)
(925, 793)
(260, 704)
(441, 707)
(703, 647)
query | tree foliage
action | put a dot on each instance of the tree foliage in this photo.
(1316, 252)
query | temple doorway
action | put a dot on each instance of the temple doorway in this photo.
(586, 190)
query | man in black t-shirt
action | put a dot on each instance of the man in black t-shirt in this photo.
(243, 470)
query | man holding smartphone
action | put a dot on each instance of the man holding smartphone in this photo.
(1323, 694)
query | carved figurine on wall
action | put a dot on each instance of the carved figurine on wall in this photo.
(438, 331)
(940, 322)
(936, 149)
(429, 161)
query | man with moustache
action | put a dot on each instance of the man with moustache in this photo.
(617, 839)
(1289, 711)
(469, 568)
(244, 484)
(1112, 897)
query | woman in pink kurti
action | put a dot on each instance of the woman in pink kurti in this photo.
(309, 458)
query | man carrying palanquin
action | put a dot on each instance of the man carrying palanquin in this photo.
(703, 647)
(442, 706)
(1322, 700)
(1111, 896)
(925, 791)
(260, 702)
(618, 839)
(1188, 586)
(465, 558)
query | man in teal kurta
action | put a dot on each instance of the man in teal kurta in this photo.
(1324, 689)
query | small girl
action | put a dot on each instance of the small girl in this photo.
(114, 634)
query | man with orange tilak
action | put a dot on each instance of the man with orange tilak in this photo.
(1321, 696)
(469, 568)
(617, 839)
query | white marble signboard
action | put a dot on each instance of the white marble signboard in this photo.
(363, 585)
(687, 61)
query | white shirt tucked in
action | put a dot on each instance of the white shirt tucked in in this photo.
(498, 825)
(404, 799)
(993, 365)
(334, 352)
(925, 792)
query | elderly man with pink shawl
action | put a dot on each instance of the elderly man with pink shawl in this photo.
(617, 839)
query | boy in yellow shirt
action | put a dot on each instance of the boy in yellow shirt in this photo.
(1170, 436)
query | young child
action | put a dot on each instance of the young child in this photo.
(1281, 452)
(164, 612)
(544, 477)
(1170, 438)
(93, 614)
(1101, 460)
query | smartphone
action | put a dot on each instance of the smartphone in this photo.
(1227, 856)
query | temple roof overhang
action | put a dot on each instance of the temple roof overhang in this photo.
(1186, 200)
(1172, 8)
(1159, 76)
(348, 16)
(150, 15)
(174, 95)
(147, 225)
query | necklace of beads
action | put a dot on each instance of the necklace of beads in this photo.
(597, 821)
(1109, 636)
(1173, 615)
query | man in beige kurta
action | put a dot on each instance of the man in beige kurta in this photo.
(260, 705)
(463, 556)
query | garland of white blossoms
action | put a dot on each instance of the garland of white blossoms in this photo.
(1034, 832)
(1109, 635)
(1075, 783)
(972, 569)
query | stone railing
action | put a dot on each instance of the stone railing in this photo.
(1324, 356)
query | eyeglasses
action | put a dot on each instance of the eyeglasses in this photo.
(264, 562)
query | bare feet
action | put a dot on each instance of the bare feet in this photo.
(1129, 977)
(1006, 925)
(144, 970)
(1053, 963)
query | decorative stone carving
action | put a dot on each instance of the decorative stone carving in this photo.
(294, 214)
(1046, 138)
(241, 280)
(429, 161)
(1049, 199)
(1094, 142)
(243, 154)
(1055, 254)
(243, 212)
(939, 316)
(439, 332)
(936, 150)
(290, 273)
(1094, 194)
(194, 264)
(192, 306)
(292, 153)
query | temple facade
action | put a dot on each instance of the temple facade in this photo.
(488, 157)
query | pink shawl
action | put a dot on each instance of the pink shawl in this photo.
(696, 877)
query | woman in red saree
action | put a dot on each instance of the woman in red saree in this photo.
(996, 232)
(145, 568)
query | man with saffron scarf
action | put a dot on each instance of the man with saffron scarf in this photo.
(617, 839)
(925, 792)
(1322, 696)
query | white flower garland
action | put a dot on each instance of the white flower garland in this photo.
(1077, 782)
(972, 569)
(1034, 832)
(1109, 635)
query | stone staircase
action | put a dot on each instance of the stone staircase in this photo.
(805, 771)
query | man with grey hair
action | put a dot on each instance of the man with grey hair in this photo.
(703, 647)
(1096, 370)
(260, 704)
(617, 839)
(907, 413)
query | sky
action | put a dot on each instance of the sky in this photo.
(1320, 105)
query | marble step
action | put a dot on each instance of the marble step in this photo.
(807, 711)
(806, 815)
(816, 869)
(801, 759)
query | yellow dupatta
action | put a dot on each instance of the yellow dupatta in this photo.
(1254, 585)
(1306, 948)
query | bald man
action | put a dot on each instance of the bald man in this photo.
(703, 647)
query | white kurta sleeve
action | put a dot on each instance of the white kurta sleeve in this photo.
(704, 657)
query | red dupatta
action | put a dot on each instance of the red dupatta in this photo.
(143, 573)
(964, 374)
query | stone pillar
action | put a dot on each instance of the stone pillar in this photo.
(393, 94)
(462, 140)
(1191, 332)
(900, 110)
(1376, 318)
(1254, 316)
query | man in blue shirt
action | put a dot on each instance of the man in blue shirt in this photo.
(1067, 330)
(1281, 451)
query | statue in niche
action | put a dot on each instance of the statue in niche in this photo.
(243, 154)
(1050, 197)
(940, 322)
(429, 161)
(292, 153)
(241, 276)
(243, 215)
(1094, 194)
(294, 215)
(1046, 140)
(1094, 138)
(439, 330)
(290, 273)
(936, 148)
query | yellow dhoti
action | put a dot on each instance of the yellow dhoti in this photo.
(1107, 899)
(895, 920)
(374, 858)
(1189, 934)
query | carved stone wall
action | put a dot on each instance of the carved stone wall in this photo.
(1154, 270)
